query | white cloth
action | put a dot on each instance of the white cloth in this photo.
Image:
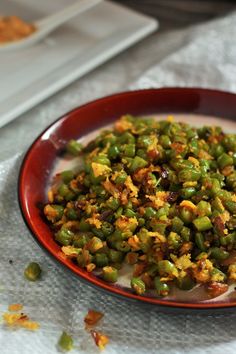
(203, 56)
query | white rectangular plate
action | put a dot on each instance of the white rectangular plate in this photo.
(29, 76)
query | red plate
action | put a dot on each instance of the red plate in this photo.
(40, 159)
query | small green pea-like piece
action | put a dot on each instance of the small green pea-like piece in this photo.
(218, 253)
(158, 225)
(118, 212)
(200, 241)
(80, 240)
(94, 244)
(218, 150)
(231, 180)
(231, 206)
(150, 212)
(174, 240)
(229, 142)
(142, 153)
(141, 222)
(121, 178)
(72, 214)
(161, 287)
(65, 342)
(67, 176)
(186, 215)
(188, 174)
(144, 141)
(113, 152)
(228, 239)
(110, 274)
(138, 285)
(102, 159)
(165, 141)
(32, 271)
(74, 147)
(138, 162)
(63, 190)
(113, 203)
(129, 150)
(177, 224)
(107, 228)
(101, 260)
(130, 213)
(59, 210)
(188, 192)
(185, 283)
(64, 237)
(122, 246)
(115, 256)
(126, 138)
(185, 233)
(224, 160)
(217, 275)
(215, 187)
(164, 211)
(224, 196)
(84, 226)
(203, 223)
(166, 267)
(204, 208)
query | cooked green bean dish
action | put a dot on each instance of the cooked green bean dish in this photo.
(159, 196)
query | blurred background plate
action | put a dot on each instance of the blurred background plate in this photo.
(31, 75)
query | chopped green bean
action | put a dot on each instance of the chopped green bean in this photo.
(64, 237)
(74, 147)
(113, 152)
(187, 174)
(110, 274)
(167, 267)
(137, 163)
(138, 285)
(66, 342)
(32, 271)
(202, 223)
(200, 241)
(101, 260)
(185, 283)
(161, 287)
(224, 160)
(67, 176)
(218, 253)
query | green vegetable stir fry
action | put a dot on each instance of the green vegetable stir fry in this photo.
(157, 195)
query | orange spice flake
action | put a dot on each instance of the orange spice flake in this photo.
(100, 339)
(93, 317)
(13, 28)
(15, 307)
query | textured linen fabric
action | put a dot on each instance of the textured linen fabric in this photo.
(202, 56)
(206, 59)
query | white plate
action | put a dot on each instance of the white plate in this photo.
(29, 76)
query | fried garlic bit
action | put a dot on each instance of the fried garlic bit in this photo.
(17, 319)
(100, 339)
(92, 317)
